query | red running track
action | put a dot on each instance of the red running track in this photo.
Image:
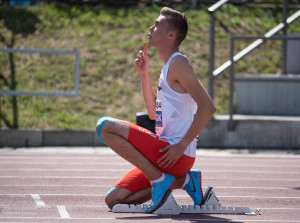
(68, 185)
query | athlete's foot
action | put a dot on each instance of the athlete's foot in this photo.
(160, 191)
(194, 188)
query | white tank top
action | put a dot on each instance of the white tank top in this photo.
(174, 111)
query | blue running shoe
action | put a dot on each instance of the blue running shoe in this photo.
(160, 191)
(194, 187)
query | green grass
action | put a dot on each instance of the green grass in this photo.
(109, 39)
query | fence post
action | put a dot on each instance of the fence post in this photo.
(284, 41)
(211, 54)
(230, 123)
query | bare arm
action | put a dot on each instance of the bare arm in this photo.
(182, 73)
(141, 63)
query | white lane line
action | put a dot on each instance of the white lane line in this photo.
(47, 218)
(250, 171)
(77, 170)
(59, 177)
(58, 195)
(109, 186)
(109, 177)
(256, 188)
(279, 208)
(104, 206)
(122, 169)
(74, 163)
(256, 197)
(220, 155)
(259, 197)
(38, 200)
(235, 220)
(128, 164)
(63, 212)
(60, 157)
(175, 195)
(160, 219)
(63, 185)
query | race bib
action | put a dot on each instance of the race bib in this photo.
(158, 120)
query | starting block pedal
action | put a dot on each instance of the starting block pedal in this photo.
(209, 205)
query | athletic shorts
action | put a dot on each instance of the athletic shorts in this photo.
(149, 144)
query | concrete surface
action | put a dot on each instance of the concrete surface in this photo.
(268, 95)
(272, 132)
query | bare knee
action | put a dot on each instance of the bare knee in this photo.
(114, 197)
(106, 127)
(101, 126)
(110, 201)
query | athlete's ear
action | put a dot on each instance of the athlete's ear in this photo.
(171, 35)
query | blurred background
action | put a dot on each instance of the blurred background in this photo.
(108, 34)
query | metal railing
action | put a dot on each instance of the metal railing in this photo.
(257, 43)
(282, 26)
(212, 10)
(232, 61)
(75, 93)
(15, 93)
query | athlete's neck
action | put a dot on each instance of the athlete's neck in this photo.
(166, 53)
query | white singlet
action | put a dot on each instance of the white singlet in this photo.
(174, 111)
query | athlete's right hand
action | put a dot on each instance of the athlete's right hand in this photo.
(141, 61)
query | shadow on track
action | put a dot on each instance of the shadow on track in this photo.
(181, 217)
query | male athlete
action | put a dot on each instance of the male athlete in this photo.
(181, 108)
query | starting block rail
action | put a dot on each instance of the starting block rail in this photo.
(209, 205)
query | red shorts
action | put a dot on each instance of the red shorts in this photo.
(149, 144)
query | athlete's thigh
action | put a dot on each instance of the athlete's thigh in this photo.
(147, 142)
(150, 144)
(119, 127)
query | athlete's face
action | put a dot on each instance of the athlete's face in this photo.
(158, 32)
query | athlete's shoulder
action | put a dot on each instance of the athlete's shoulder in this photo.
(179, 58)
(180, 63)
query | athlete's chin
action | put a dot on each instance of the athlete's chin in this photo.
(150, 42)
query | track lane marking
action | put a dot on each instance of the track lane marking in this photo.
(122, 169)
(105, 206)
(109, 186)
(128, 164)
(38, 200)
(161, 219)
(66, 162)
(175, 195)
(109, 177)
(63, 212)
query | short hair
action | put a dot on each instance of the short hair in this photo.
(178, 21)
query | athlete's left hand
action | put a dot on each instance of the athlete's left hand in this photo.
(171, 156)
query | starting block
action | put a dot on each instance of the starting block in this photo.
(209, 205)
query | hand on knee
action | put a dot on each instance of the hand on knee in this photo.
(99, 126)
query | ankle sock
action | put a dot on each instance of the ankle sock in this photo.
(187, 180)
(163, 176)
